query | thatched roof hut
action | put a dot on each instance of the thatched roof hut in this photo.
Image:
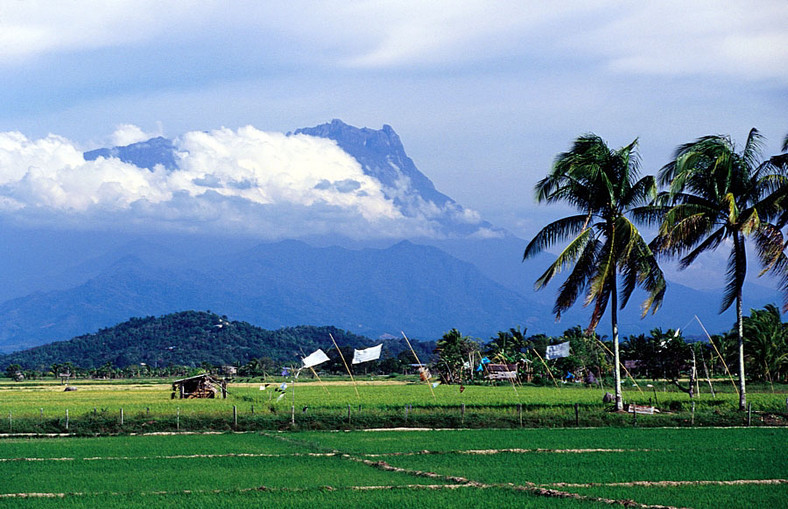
(200, 386)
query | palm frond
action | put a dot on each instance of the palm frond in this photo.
(753, 149)
(578, 279)
(555, 232)
(710, 243)
(568, 256)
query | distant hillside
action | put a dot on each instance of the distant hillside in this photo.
(187, 338)
(406, 287)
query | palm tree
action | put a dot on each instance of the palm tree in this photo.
(766, 339)
(602, 184)
(453, 351)
(719, 195)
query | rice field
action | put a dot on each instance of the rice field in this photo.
(112, 407)
(585, 467)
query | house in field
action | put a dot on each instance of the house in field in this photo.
(500, 371)
(200, 386)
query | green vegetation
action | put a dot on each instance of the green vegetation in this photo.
(522, 468)
(188, 338)
(95, 407)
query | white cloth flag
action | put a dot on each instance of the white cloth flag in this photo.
(366, 355)
(558, 351)
(315, 358)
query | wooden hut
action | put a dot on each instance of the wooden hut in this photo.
(501, 371)
(200, 386)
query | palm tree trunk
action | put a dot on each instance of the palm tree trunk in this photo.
(740, 327)
(617, 371)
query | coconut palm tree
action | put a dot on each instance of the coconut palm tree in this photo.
(602, 185)
(766, 338)
(717, 195)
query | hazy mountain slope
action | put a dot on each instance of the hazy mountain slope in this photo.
(411, 288)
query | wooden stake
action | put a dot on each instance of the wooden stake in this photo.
(546, 367)
(718, 354)
(417, 360)
(622, 367)
(355, 386)
(319, 380)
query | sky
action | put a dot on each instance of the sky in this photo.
(483, 95)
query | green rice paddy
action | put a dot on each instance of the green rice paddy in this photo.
(702, 468)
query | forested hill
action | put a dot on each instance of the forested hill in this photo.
(187, 338)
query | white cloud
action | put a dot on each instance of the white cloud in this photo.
(710, 37)
(36, 27)
(741, 39)
(126, 134)
(245, 180)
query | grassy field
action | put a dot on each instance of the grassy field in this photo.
(701, 468)
(95, 407)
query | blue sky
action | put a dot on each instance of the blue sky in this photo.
(483, 94)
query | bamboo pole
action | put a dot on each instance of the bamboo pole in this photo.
(546, 367)
(502, 358)
(417, 360)
(355, 386)
(718, 354)
(319, 380)
(622, 367)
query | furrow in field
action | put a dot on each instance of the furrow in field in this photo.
(179, 456)
(526, 487)
(487, 452)
(670, 483)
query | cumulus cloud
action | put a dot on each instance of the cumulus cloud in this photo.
(126, 134)
(245, 180)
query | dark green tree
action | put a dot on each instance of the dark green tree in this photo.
(605, 247)
(13, 371)
(453, 351)
(507, 345)
(766, 340)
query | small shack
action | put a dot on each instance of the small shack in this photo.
(200, 386)
(500, 371)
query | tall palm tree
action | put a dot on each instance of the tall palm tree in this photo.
(717, 195)
(602, 184)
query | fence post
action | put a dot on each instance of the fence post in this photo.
(406, 413)
(348, 413)
(235, 416)
(749, 414)
(520, 413)
(121, 416)
(292, 415)
(178, 419)
(66, 419)
(634, 415)
(462, 413)
(577, 414)
(10, 422)
(692, 418)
